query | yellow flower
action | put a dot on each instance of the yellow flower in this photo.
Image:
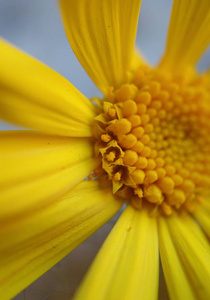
(147, 141)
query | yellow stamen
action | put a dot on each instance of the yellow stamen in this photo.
(138, 192)
(117, 176)
(106, 138)
(111, 156)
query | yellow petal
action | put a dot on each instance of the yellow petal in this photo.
(202, 214)
(32, 244)
(127, 264)
(33, 95)
(138, 59)
(188, 34)
(102, 35)
(193, 252)
(36, 169)
(177, 283)
(195, 228)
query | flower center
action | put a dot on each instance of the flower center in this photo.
(153, 137)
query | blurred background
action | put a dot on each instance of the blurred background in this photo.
(36, 28)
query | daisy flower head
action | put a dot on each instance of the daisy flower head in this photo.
(145, 145)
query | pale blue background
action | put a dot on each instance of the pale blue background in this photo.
(35, 26)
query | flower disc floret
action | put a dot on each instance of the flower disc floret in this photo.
(153, 137)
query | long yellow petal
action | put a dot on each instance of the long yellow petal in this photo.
(127, 264)
(37, 169)
(195, 228)
(189, 33)
(177, 283)
(34, 96)
(102, 35)
(194, 254)
(202, 214)
(32, 244)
